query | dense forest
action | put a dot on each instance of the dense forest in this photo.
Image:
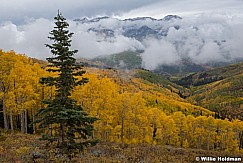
(130, 109)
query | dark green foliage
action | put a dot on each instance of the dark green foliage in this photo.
(198, 79)
(219, 90)
(159, 79)
(73, 126)
(179, 69)
(210, 76)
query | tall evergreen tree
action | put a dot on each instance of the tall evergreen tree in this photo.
(75, 126)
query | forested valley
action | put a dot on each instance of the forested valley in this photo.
(130, 109)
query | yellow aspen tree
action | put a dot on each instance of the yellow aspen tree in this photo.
(238, 128)
(7, 60)
(136, 120)
(22, 88)
(210, 128)
(162, 132)
(228, 141)
(37, 72)
(172, 131)
(199, 134)
(122, 112)
(190, 120)
(180, 121)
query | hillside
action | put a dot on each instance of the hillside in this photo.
(133, 60)
(211, 75)
(124, 60)
(29, 149)
(218, 89)
(136, 108)
(157, 91)
(199, 73)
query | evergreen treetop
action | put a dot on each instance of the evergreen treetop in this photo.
(75, 126)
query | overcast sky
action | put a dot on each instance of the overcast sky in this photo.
(18, 11)
(25, 24)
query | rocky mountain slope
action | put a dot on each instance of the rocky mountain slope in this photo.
(139, 28)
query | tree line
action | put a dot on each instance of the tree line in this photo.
(126, 114)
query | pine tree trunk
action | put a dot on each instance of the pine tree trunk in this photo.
(5, 115)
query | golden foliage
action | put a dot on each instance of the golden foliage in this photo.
(130, 110)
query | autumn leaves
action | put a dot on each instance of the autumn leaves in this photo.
(127, 110)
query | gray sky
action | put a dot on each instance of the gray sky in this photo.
(17, 11)
(25, 26)
(189, 7)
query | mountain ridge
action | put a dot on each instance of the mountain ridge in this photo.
(139, 28)
(97, 19)
(174, 40)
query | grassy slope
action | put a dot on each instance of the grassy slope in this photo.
(21, 148)
(127, 59)
(224, 95)
(216, 74)
(158, 79)
(18, 147)
(219, 89)
(158, 92)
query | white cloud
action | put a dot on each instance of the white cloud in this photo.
(203, 37)
(13, 10)
(31, 37)
(187, 8)
(159, 52)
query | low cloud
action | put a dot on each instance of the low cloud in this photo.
(187, 8)
(30, 39)
(17, 12)
(159, 52)
(27, 39)
(201, 38)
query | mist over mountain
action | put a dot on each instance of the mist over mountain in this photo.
(171, 40)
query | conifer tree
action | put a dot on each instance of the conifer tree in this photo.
(75, 126)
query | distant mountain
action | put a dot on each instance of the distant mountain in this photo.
(87, 20)
(139, 28)
(194, 49)
(142, 33)
(133, 60)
